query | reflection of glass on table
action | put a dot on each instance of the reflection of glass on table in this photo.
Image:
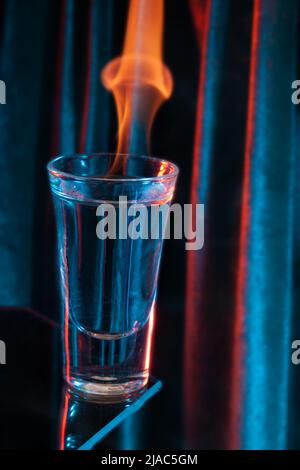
(84, 424)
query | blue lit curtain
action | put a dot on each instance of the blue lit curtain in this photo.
(242, 290)
(51, 53)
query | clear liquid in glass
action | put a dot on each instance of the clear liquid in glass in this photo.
(108, 290)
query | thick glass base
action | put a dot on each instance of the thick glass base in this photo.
(91, 422)
(106, 389)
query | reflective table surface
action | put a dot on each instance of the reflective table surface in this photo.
(39, 412)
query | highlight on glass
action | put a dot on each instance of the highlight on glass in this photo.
(108, 286)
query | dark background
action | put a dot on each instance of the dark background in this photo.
(225, 324)
(32, 275)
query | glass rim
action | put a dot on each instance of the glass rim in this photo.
(71, 176)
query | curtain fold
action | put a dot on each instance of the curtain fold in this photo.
(51, 57)
(241, 290)
(23, 38)
(265, 270)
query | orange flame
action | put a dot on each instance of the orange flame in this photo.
(139, 80)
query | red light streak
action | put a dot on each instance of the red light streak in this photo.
(191, 368)
(237, 371)
(63, 424)
(149, 339)
(66, 314)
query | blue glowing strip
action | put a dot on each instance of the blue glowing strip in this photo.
(99, 110)
(136, 406)
(128, 438)
(269, 284)
(213, 75)
(67, 130)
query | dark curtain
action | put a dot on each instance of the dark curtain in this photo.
(242, 289)
(51, 56)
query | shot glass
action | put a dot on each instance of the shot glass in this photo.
(108, 261)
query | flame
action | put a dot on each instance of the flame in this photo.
(138, 79)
